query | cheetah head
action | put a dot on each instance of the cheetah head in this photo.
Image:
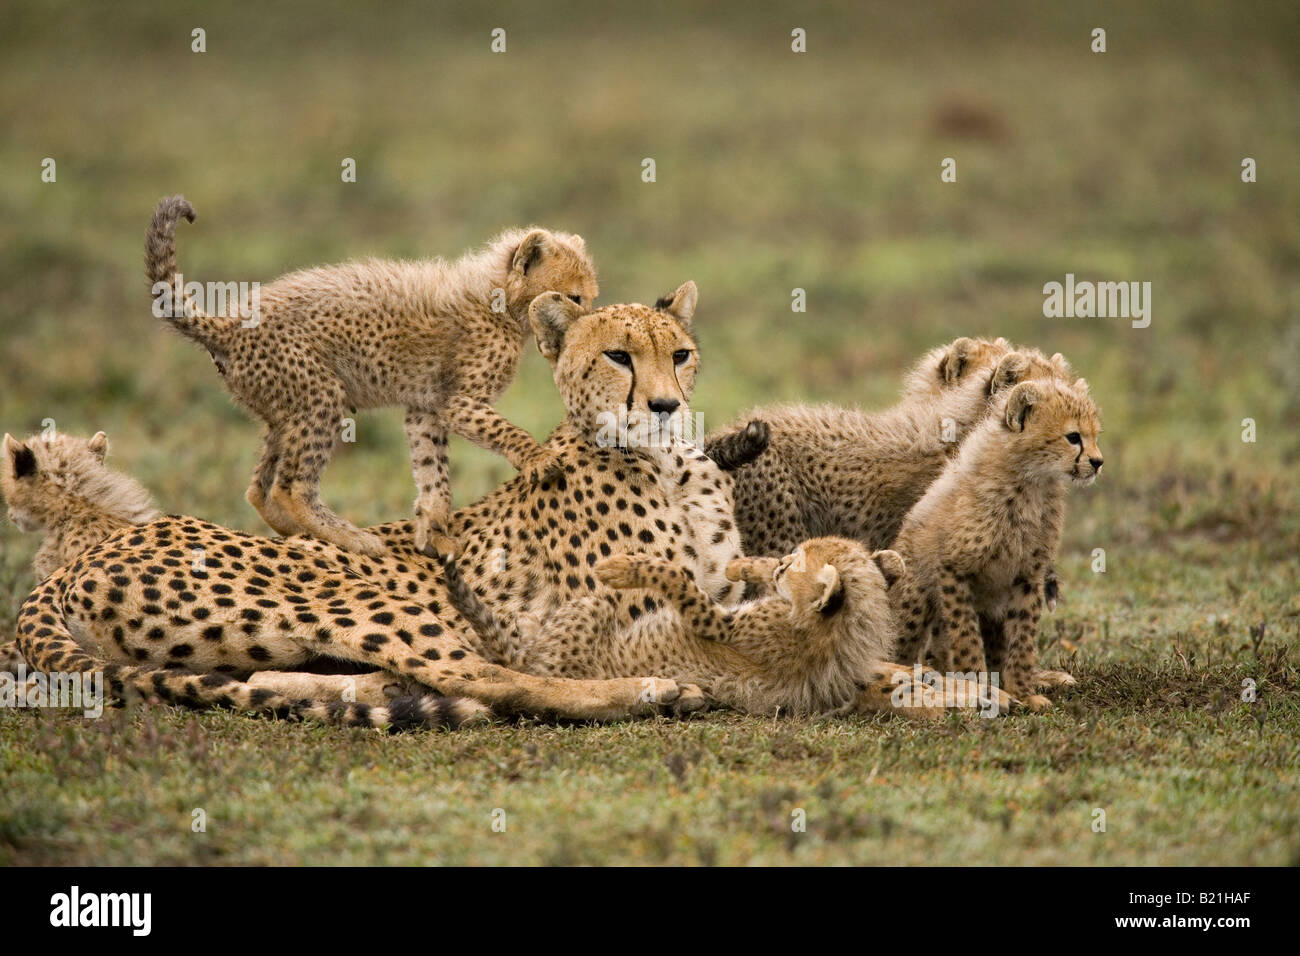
(1052, 427)
(543, 261)
(1027, 365)
(42, 475)
(625, 372)
(950, 365)
(827, 576)
(945, 366)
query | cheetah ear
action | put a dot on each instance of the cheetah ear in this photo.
(1082, 386)
(578, 242)
(680, 304)
(530, 251)
(20, 459)
(1022, 398)
(98, 444)
(831, 598)
(891, 564)
(1011, 368)
(550, 315)
(953, 363)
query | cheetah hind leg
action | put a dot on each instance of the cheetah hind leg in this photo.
(259, 489)
(297, 485)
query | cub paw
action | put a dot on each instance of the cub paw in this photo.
(1036, 703)
(430, 536)
(654, 691)
(620, 571)
(1053, 679)
(543, 466)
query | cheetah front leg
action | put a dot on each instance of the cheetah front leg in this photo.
(1019, 675)
(259, 489)
(484, 426)
(961, 647)
(703, 616)
(427, 437)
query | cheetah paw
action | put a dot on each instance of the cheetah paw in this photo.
(431, 538)
(619, 572)
(542, 466)
(1053, 679)
(1036, 703)
(691, 699)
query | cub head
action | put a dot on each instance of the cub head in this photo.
(945, 366)
(625, 372)
(1027, 365)
(543, 261)
(1053, 428)
(826, 577)
(43, 474)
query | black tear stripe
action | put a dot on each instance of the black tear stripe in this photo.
(631, 391)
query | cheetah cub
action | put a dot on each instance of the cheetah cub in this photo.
(58, 484)
(441, 339)
(817, 643)
(978, 543)
(845, 472)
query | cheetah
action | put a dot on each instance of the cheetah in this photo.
(843, 472)
(58, 484)
(441, 339)
(818, 644)
(946, 365)
(977, 543)
(186, 610)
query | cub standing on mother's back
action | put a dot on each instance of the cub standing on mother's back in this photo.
(442, 339)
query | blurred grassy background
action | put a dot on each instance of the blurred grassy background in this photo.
(775, 171)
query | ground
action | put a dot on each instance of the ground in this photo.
(774, 171)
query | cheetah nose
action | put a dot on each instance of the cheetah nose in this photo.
(1096, 463)
(664, 406)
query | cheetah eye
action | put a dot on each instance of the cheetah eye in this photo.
(619, 357)
(1074, 438)
(680, 356)
(575, 298)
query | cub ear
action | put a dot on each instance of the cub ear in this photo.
(98, 445)
(891, 565)
(550, 315)
(831, 597)
(530, 251)
(1082, 386)
(953, 362)
(1011, 368)
(1022, 398)
(680, 304)
(20, 459)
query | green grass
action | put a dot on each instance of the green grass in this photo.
(775, 171)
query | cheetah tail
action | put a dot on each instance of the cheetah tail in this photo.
(187, 317)
(502, 644)
(738, 447)
(46, 643)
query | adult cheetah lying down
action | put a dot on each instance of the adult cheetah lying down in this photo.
(819, 644)
(184, 610)
(441, 339)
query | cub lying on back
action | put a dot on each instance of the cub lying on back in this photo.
(819, 643)
(442, 339)
(978, 542)
(855, 474)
